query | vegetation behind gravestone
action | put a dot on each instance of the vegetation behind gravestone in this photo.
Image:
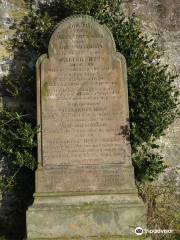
(153, 98)
(163, 206)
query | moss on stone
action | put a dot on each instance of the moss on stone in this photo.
(45, 90)
(18, 15)
(19, 3)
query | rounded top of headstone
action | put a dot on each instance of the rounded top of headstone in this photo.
(74, 30)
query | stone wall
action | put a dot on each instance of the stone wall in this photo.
(161, 19)
(11, 13)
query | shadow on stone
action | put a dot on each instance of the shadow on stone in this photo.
(124, 131)
(13, 206)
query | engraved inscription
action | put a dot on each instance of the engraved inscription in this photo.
(83, 111)
(83, 108)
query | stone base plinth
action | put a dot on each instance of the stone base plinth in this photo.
(100, 216)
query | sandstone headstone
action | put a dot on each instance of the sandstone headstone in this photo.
(85, 181)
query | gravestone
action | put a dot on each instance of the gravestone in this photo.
(85, 180)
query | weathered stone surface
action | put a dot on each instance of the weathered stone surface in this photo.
(85, 216)
(83, 112)
(85, 180)
(11, 13)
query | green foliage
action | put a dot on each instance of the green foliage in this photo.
(35, 36)
(148, 162)
(152, 95)
(2, 238)
(17, 146)
(152, 104)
